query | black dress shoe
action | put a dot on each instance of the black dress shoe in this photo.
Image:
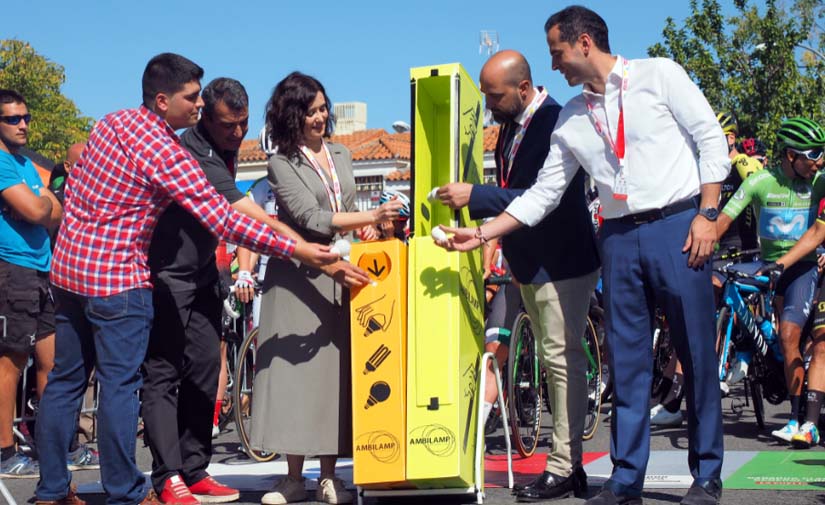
(549, 486)
(707, 493)
(607, 497)
(578, 473)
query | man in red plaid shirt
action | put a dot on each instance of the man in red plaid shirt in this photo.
(132, 168)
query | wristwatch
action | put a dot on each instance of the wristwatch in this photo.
(709, 213)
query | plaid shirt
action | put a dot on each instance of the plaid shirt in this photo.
(132, 168)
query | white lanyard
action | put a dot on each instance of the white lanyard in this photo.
(334, 193)
(528, 116)
(617, 146)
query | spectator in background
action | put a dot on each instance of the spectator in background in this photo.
(60, 172)
(28, 211)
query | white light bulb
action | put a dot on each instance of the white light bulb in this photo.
(341, 248)
(438, 234)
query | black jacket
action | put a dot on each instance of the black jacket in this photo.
(562, 245)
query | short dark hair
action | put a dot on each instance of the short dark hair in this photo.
(11, 96)
(168, 73)
(287, 109)
(226, 90)
(575, 20)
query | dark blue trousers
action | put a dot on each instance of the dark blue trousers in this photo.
(643, 266)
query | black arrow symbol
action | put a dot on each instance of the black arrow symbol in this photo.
(375, 270)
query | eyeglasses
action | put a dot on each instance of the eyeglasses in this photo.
(13, 120)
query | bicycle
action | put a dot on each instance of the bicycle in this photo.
(745, 320)
(526, 384)
(243, 374)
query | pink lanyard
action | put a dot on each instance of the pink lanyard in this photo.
(528, 117)
(617, 146)
(333, 194)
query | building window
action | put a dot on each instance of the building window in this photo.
(369, 183)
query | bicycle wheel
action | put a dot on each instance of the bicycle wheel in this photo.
(724, 342)
(758, 402)
(590, 342)
(524, 388)
(242, 396)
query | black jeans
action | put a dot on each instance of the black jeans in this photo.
(181, 381)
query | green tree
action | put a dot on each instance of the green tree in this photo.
(765, 65)
(56, 121)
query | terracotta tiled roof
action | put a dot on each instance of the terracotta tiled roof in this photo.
(251, 151)
(368, 145)
(490, 138)
(399, 175)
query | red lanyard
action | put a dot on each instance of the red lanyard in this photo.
(334, 193)
(617, 146)
(528, 117)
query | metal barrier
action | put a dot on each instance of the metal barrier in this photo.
(27, 406)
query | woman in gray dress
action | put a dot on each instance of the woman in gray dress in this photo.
(302, 384)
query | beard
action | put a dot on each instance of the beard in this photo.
(502, 116)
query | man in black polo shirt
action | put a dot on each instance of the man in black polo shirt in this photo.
(183, 358)
(556, 262)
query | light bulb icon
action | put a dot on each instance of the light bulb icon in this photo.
(379, 392)
(376, 359)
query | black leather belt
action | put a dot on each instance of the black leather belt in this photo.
(649, 216)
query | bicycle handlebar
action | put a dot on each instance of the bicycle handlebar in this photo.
(229, 301)
(228, 304)
(734, 254)
(767, 280)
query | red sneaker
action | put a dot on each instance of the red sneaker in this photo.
(208, 490)
(175, 492)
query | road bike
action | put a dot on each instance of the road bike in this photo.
(242, 373)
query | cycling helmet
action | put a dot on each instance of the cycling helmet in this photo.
(265, 142)
(800, 133)
(389, 194)
(753, 147)
(728, 122)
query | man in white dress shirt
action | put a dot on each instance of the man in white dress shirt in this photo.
(650, 140)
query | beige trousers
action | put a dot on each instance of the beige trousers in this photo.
(558, 311)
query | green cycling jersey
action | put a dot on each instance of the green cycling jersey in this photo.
(785, 207)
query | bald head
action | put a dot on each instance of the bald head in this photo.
(509, 66)
(72, 155)
(507, 84)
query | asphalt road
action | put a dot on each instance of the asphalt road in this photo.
(741, 434)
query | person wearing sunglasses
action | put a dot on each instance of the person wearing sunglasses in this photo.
(808, 433)
(786, 200)
(27, 211)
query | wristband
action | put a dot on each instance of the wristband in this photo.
(480, 236)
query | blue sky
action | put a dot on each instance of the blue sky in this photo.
(361, 51)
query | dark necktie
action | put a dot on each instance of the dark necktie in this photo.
(509, 134)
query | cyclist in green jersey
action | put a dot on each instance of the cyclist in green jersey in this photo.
(786, 200)
(808, 433)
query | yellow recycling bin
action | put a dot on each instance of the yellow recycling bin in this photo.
(379, 341)
(446, 329)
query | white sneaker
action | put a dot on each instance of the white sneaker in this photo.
(332, 490)
(724, 388)
(787, 432)
(286, 491)
(660, 416)
(737, 372)
(216, 430)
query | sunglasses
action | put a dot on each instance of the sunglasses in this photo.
(13, 120)
(811, 154)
